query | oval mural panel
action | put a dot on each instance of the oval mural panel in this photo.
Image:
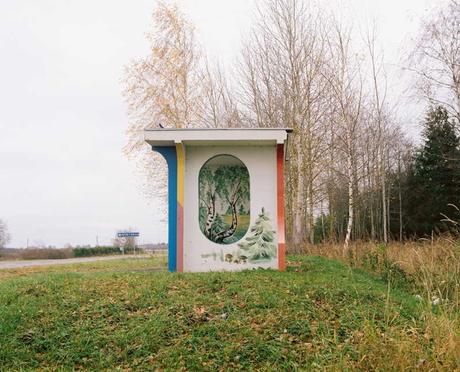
(224, 207)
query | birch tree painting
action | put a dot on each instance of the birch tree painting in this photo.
(224, 199)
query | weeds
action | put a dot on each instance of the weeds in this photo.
(430, 271)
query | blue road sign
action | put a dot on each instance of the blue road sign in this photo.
(128, 234)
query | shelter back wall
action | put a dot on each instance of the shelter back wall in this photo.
(201, 254)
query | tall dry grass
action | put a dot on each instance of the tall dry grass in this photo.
(430, 271)
(430, 267)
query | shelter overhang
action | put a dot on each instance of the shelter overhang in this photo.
(210, 230)
(216, 136)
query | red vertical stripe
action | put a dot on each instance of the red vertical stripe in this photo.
(280, 207)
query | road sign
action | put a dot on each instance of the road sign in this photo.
(128, 234)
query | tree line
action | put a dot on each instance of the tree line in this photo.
(352, 171)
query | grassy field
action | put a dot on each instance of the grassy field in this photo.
(127, 315)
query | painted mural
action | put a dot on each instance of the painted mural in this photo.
(224, 199)
(257, 247)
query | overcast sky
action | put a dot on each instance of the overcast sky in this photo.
(63, 178)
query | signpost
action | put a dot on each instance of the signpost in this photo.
(128, 234)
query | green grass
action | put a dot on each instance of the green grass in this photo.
(126, 315)
(156, 262)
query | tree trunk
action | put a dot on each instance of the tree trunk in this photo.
(350, 196)
(323, 230)
(384, 201)
(400, 200)
(388, 212)
(211, 216)
(298, 211)
(231, 230)
(350, 216)
(311, 218)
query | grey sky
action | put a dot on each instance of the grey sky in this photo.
(63, 178)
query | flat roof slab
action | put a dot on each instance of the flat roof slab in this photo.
(216, 136)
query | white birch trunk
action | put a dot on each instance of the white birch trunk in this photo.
(350, 194)
(384, 200)
(298, 230)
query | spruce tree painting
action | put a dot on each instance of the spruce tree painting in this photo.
(434, 182)
(259, 245)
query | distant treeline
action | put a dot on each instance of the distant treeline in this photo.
(62, 253)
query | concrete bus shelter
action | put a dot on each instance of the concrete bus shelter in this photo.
(225, 197)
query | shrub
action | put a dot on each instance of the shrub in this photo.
(96, 251)
(42, 254)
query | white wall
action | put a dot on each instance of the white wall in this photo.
(261, 164)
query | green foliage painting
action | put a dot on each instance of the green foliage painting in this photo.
(260, 244)
(224, 199)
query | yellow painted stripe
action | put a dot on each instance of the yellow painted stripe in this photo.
(180, 173)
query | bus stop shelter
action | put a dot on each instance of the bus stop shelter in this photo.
(225, 197)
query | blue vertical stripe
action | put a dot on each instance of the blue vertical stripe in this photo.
(169, 153)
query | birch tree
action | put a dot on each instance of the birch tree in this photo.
(379, 92)
(436, 58)
(347, 91)
(283, 85)
(163, 88)
(219, 107)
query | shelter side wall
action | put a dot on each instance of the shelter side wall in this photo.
(169, 153)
